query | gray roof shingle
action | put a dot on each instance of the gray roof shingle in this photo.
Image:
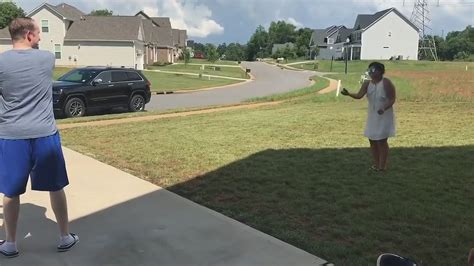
(163, 22)
(365, 20)
(164, 36)
(339, 33)
(69, 12)
(183, 36)
(125, 28)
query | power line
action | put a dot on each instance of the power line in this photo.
(420, 17)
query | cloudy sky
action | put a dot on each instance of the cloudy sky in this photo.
(218, 21)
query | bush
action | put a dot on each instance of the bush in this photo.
(159, 63)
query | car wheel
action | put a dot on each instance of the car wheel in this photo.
(75, 107)
(137, 103)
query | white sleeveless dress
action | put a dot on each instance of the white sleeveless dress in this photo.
(378, 126)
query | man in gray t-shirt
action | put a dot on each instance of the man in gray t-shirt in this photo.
(30, 145)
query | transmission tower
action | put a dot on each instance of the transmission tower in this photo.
(420, 17)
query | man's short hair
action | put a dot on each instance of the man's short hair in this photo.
(19, 27)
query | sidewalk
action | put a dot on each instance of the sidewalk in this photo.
(123, 220)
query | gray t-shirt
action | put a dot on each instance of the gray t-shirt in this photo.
(26, 96)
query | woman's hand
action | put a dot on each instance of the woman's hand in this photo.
(380, 111)
(344, 92)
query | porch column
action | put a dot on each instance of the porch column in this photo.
(352, 50)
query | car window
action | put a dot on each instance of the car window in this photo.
(119, 76)
(133, 76)
(106, 77)
(79, 75)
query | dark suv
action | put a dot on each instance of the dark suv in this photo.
(92, 88)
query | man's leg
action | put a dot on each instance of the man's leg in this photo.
(11, 210)
(59, 205)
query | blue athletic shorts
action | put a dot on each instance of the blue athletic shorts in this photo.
(42, 159)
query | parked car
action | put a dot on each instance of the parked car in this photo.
(85, 89)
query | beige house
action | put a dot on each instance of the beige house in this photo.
(80, 40)
(163, 43)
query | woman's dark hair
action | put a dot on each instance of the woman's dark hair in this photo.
(379, 66)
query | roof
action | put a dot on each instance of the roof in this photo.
(113, 28)
(364, 21)
(183, 36)
(175, 37)
(149, 31)
(70, 12)
(344, 33)
(162, 21)
(62, 10)
(164, 37)
(339, 33)
(318, 36)
(179, 37)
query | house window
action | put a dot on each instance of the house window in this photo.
(57, 51)
(44, 25)
(330, 41)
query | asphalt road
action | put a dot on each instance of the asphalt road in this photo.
(269, 80)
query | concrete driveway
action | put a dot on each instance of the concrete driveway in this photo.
(269, 80)
(123, 220)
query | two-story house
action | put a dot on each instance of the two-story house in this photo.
(381, 36)
(329, 41)
(384, 35)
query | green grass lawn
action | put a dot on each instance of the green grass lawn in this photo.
(319, 83)
(235, 72)
(298, 170)
(405, 65)
(170, 82)
(205, 61)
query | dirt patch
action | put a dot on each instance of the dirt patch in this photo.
(155, 117)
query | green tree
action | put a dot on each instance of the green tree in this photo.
(221, 49)
(211, 53)
(258, 45)
(187, 56)
(281, 32)
(235, 52)
(8, 12)
(302, 41)
(101, 12)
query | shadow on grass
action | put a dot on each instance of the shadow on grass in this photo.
(328, 203)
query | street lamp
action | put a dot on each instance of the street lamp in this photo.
(346, 44)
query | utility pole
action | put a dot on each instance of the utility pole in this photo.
(420, 17)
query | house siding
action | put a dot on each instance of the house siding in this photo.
(97, 53)
(394, 33)
(57, 31)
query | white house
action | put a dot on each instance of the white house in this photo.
(381, 36)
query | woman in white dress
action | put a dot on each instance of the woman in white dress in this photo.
(380, 125)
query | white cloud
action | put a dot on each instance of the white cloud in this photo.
(294, 22)
(188, 14)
